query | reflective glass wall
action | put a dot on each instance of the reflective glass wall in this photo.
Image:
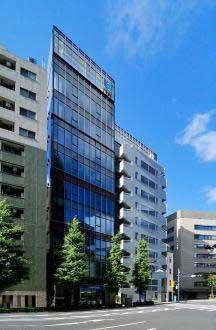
(81, 137)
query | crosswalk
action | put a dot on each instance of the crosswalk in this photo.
(198, 307)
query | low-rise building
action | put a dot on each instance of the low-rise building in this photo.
(192, 238)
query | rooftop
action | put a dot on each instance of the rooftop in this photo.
(205, 215)
(151, 154)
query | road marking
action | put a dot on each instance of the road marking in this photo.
(74, 323)
(122, 325)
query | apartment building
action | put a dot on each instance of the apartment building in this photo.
(23, 168)
(192, 238)
(142, 205)
(81, 158)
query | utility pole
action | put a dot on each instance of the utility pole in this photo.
(178, 281)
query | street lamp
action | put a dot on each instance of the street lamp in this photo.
(179, 275)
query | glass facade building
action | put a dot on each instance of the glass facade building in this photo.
(81, 151)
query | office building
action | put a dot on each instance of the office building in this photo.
(141, 189)
(169, 282)
(192, 236)
(23, 168)
(81, 157)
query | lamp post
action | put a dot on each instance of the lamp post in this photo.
(179, 275)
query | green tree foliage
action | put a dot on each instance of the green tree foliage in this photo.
(13, 265)
(73, 267)
(115, 271)
(211, 282)
(141, 271)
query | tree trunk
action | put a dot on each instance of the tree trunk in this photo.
(68, 295)
(140, 293)
(212, 292)
(76, 295)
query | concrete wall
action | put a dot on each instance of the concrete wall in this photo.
(185, 248)
(131, 203)
(33, 180)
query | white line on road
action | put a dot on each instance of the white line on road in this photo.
(76, 323)
(122, 325)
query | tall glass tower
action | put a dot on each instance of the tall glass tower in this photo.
(81, 155)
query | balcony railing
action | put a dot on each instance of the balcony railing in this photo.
(9, 84)
(7, 62)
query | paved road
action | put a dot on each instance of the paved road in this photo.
(182, 316)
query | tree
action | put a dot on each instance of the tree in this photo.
(141, 271)
(13, 265)
(115, 271)
(211, 282)
(72, 269)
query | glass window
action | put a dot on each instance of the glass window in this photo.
(68, 89)
(81, 170)
(67, 164)
(61, 110)
(202, 227)
(61, 85)
(68, 139)
(28, 94)
(144, 194)
(26, 133)
(61, 135)
(81, 99)
(144, 180)
(81, 146)
(12, 190)
(81, 122)
(28, 74)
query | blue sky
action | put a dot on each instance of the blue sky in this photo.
(162, 55)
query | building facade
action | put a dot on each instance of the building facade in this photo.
(81, 156)
(192, 236)
(23, 168)
(141, 187)
(169, 283)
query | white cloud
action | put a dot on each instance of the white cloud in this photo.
(145, 27)
(199, 136)
(210, 194)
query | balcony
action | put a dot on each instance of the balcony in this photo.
(125, 168)
(123, 154)
(126, 230)
(7, 104)
(125, 200)
(12, 191)
(7, 62)
(125, 184)
(162, 194)
(125, 215)
(127, 246)
(6, 125)
(7, 83)
(127, 262)
(162, 181)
